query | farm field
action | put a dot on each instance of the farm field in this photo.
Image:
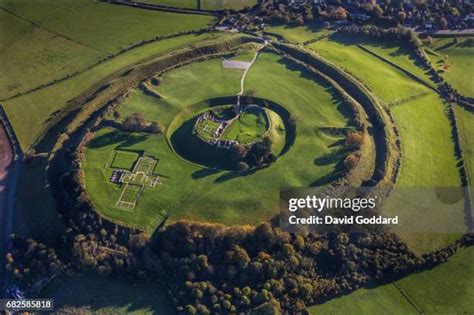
(31, 56)
(425, 137)
(85, 294)
(89, 22)
(192, 192)
(428, 158)
(459, 51)
(394, 86)
(44, 103)
(446, 289)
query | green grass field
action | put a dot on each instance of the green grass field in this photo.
(427, 148)
(92, 294)
(192, 192)
(297, 34)
(226, 4)
(446, 289)
(90, 23)
(249, 127)
(420, 116)
(124, 160)
(31, 56)
(465, 121)
(42, 104)
(389, 83)
(459, 51)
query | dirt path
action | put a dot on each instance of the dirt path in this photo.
(242, 80)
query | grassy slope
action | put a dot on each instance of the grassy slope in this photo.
(466, 132)
(461, 62)
(227, 4)
(427, 148)
(387, 82)
(426, 143)
(249, 127)
(85, 294)
(298, 34)
(35, 212)
(31, 56)
(43, 103)
(91, 23)
(193, 192)
(446, 289)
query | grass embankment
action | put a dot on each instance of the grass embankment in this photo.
(465, 121)
(226, 4)
(458, 53)
(297, 34)
(389, 83)
(85, 294)
(446, 289)
(249, 127)
(196, 193)
(35, 212)
(43, 104)
(190, 4)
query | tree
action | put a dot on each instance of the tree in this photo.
(340, 13)
(242, 166)
(378, 12)
(354, 139)
(238, 152)
(402, 16)
(351, 161)
(135, 122)
(156, 127)
(443, 23)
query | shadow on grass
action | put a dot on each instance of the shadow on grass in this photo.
(205, 172)
(120, 138)
(304, 73)
(93, 293)
(333, 157)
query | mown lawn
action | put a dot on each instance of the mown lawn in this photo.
(85, 294)
(445, 289)
(193, 192)
(460, 53)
